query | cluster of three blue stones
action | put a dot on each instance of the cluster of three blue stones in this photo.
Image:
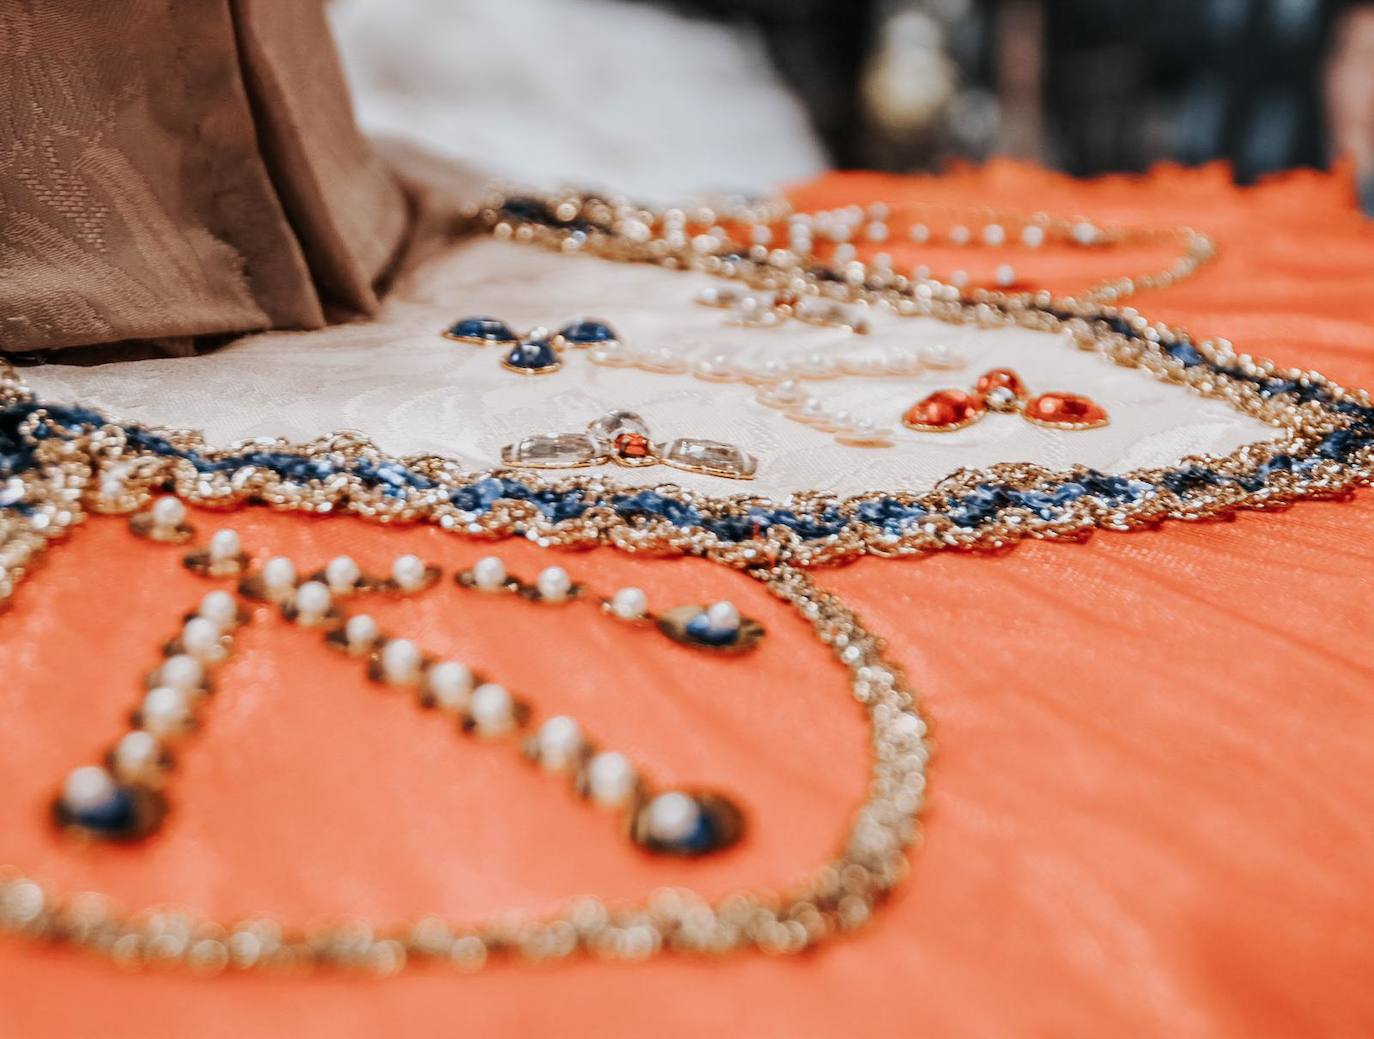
(536, 353)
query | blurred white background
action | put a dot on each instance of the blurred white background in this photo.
(590, 92)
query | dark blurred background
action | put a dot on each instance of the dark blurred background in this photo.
(1087, 86)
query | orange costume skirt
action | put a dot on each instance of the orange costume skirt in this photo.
(1150, 797)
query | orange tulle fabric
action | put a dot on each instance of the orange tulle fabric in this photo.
(1150, 802)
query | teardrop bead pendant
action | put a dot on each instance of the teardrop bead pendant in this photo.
(691, 823)
(719, 628)
(1065, 411)
(945, 411)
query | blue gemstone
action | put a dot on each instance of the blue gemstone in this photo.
(1103, 486)
(702, 839)
(1067, 492)
(533, 355)
(699, 630)
(117, 815)
(1193, 477)
(482, 329)
(1336, 445)
(588, 332)
(1274, 387)
(1184, 352)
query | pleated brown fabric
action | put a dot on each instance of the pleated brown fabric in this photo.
(174, 170)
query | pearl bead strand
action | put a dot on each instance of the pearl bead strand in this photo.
(840, 896)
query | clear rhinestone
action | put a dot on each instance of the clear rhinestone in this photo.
(614, 423)
(709, 456)
(553, 451)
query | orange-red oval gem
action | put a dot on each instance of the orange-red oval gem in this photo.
(945, 410)
(632, 445)
(1002, 379)
(1066, 411)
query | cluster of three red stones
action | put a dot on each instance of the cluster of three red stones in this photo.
(1001, 389)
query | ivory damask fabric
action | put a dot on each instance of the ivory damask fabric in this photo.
(396, 380)
(172, 170)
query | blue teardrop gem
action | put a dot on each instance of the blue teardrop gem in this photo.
(588, 332)
(117, 816)
(481, 330)
(699, 630)
(533, 355)
(719, 824)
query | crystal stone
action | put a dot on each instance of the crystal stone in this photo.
(552, 451)
(709, 456)
(588, 332)
(1066, 411)
(481, 330)
(1002, 379)
(631, 446)
(533, 356)
(945, 410)
(616, 423)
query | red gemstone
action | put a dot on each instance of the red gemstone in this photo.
(1066, 410)
(632, 445)
(945, 410)
(1002, 379)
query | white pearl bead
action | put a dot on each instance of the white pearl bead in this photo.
(629, 604)
(1033, 236)
(182, 672)
(342, 574)
(938, 355)
(312, 601)
(279, 575)
(165, 710)
(489, 573)
(1006, 275)
(219, 608)
(361, 632)
(400, 660)
(492, 710)
(450, 683)
(200, 638)
(408, 572)
(672, 817)
(168, 513)
(225, 546)
(559, 739)
(723, 616)
(87, 787)
(610, 779)
(554, 584)
(994, 234)
(136, 755)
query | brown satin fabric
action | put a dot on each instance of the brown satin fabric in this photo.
(172, 170)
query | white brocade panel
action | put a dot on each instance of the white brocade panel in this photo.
(400, 383)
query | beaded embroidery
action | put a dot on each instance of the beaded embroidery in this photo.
(58, 460)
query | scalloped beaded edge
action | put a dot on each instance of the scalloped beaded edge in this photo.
(57, 461)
